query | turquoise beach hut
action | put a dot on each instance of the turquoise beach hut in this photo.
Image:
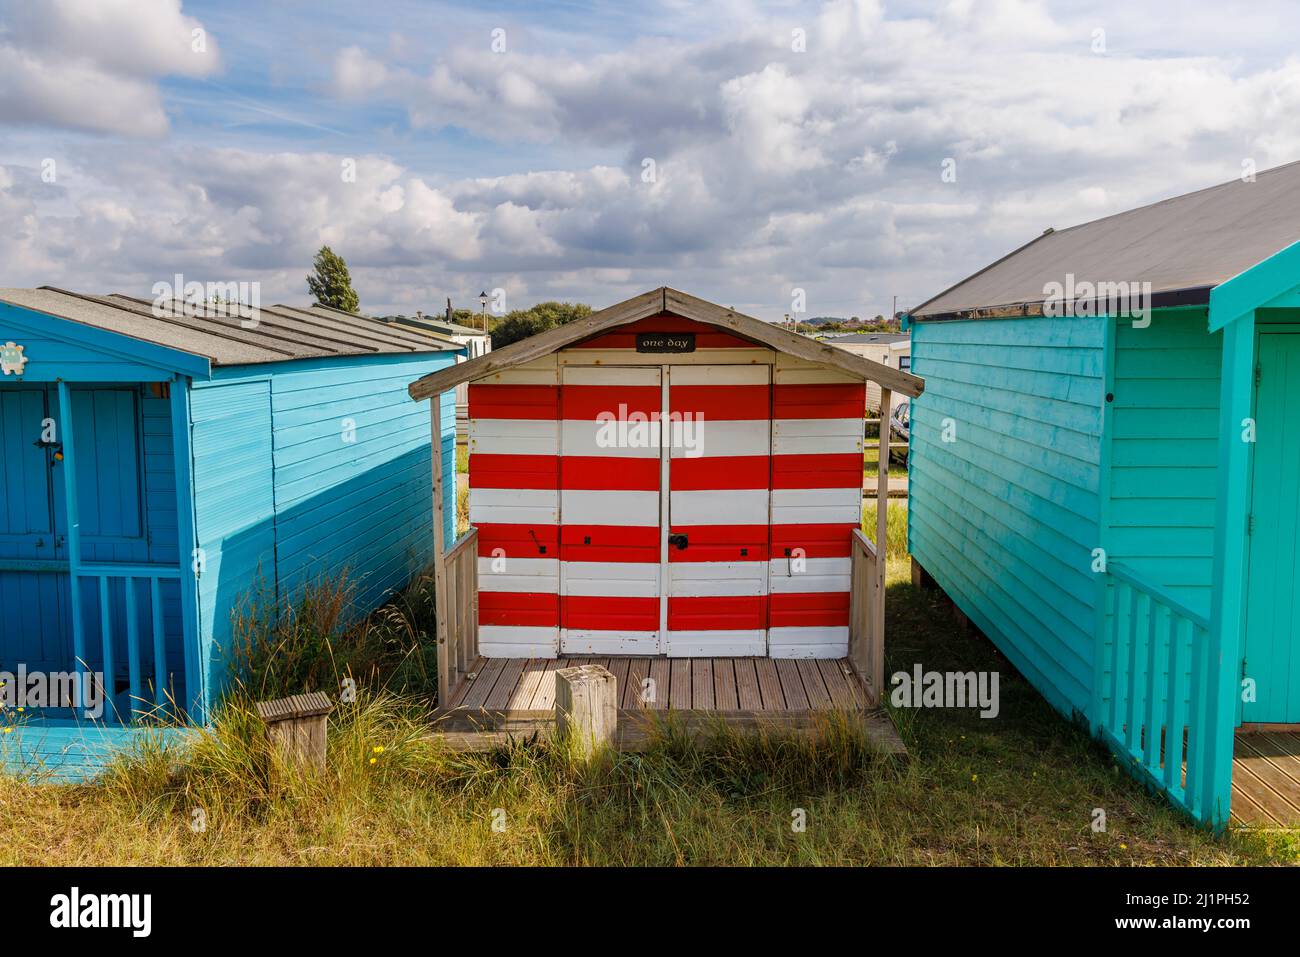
(1103, 478)
(160, 462)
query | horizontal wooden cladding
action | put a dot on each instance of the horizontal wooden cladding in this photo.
(512, 401)
(685, 613)
(831, 400)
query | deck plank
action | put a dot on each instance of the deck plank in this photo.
(725, 697)
(521, 699)
(748, 697)
(837, 683)
(702, 684)
(769, 684)
(544, 698)
(505, 686)
(618, 667)
(796, 699)
(1268, 786)
(638, 669)
(679, 693)
(661, 676)
(814, 684)
(481, 687)
(458, 693)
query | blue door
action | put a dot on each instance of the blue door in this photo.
(1271, 656)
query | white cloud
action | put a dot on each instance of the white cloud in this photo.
(94, 64)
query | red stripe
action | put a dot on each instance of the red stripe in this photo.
(488, 470)
(513, 401)
(825, 609)
(722, 402)
(609, 543)
(609, 472)
(717, 613)
(518, 608)
(587, 402)
(721, 543)
(518, 541)
(721, 472)
(829, 470)
(605, 613)
(706, 336)
(817, 541)
(822, 400)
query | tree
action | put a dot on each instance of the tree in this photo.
(523, 323)
(332, 284)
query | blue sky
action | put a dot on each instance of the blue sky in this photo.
(778, 164)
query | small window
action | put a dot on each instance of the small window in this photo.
(905, 363)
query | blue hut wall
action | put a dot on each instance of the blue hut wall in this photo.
(1005, 516)
(313, 469)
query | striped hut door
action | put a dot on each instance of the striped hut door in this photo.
(718, 507)
(610, 542)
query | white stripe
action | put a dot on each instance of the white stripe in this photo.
(530, 575)
(609, 507)
(612, 579)
(698, 438)
(704, 644)
(607, 375)
(518, 641)
(720, 376)
(795, 576)
(712, 579)
(816, 436)
(637, 440)
(816, 506)
(719, 507)
(506, 506)
(583, 642)
(811, 642)
(514, 436)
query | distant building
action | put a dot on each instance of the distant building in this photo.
(476, 343)
(893, 349)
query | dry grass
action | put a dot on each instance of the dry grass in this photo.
(1018, 789)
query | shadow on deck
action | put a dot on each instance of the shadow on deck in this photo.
(1266, 779)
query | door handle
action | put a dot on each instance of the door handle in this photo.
(678, 541)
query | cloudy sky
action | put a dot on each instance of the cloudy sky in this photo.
(589, 151)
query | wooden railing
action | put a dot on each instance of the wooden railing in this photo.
(135, 579)
(866, 615)
(458, 647)
(1156, 691)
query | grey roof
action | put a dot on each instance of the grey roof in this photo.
(436, 324)
(282, 333)
(869, 337)
(1183, 246)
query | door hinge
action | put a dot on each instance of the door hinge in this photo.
(1259, 372)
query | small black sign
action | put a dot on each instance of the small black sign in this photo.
(665, 342)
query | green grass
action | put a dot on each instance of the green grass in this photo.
(871, 458)
(1017, 789)
(895, 526)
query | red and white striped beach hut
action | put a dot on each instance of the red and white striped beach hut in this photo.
(664, 478)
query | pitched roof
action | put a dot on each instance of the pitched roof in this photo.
(883, 338)
(1183, 246)
(282, 333)
(435, 324)
(654, 303)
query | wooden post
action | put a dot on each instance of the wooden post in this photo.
(882, 545)
(296, 727)
(586, 708)
(439, 557)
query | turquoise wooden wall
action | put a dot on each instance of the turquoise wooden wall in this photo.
(1005, 516)
(311, 469)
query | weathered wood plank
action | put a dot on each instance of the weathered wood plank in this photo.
(458, 695)
(748, 697)
(702, 684)
(481, 687)
(544, 699)
(661, 676)
(521, 699)
(505, 686)
(769, 684)
(725, 696)
(838, 685)
(637, 671)
(618, 667)
(679, 695)
(796, 698)
(814, 685)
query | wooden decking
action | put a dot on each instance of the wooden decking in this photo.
(506, 697)
(1266, 779)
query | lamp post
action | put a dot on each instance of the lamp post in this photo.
(483, 298)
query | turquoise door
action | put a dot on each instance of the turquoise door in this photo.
(1272, 658)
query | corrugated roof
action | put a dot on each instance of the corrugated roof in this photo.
(1183, 246)
(437, 325)
(282, 333)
